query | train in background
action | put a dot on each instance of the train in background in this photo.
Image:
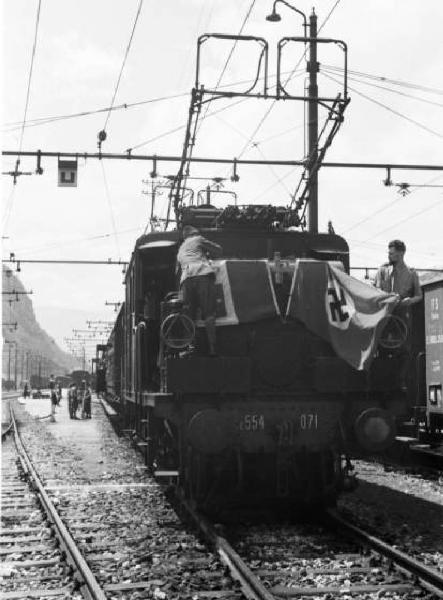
(277, 415)
(426, 374)
(79, 376)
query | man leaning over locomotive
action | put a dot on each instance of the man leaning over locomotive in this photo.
(197, 281)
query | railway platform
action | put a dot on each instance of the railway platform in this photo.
(84, 436)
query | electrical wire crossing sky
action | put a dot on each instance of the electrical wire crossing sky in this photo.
(69, 75)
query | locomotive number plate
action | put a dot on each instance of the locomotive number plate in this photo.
(252, 423)
(288, 431)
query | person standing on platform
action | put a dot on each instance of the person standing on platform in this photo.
(53, 396)
(72, 401)
(87, 397)
(59, 393)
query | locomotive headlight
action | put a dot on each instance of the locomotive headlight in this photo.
(374, 429)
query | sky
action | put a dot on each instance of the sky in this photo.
(395, 116)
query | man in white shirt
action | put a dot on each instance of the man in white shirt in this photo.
(198, 279)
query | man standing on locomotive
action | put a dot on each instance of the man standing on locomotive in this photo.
(198, 279)
(396, 277)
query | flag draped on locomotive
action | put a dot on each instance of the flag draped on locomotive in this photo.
(276, 414)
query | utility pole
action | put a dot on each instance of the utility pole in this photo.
(15, 367)
(312, 68)
(10, 342)
(9, 363)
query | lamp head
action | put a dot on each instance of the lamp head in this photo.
(274, 17)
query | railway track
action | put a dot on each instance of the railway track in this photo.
(38, 557)
(136, 546)
(103, 539)
(327, 559)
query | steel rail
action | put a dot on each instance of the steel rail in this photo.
(251, 584)
(9, 428)
(429, 578)
(91, 588)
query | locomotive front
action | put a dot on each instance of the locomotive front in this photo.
(273, 416)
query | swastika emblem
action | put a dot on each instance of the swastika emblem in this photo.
(337, 304)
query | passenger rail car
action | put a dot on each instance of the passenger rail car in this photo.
(276, 415)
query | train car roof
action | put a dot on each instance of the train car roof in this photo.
(430, 278)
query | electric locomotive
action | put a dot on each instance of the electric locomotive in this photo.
(276, 415)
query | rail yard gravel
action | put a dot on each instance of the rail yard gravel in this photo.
(120, 518)
(405, 510)
(309, 560)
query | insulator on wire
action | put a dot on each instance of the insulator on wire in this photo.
(101, 138)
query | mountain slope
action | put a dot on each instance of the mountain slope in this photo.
(35, 348)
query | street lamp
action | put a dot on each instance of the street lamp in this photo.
(312, 116)
(275, 17)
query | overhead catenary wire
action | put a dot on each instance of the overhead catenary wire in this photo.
(389, 109)
(75, 241)
(376, 245)
(406, 219)
(195, 121)
(181, 127)
(184, 69)
(379, 211)
(389, 80)
(228, 59)
(388, 89)
(8, 209)
(28, 91)
(279, 180)
(14, 125)
(274, 184)
(46, 120)
(10, 201)
(140, 4)
(269, 110)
